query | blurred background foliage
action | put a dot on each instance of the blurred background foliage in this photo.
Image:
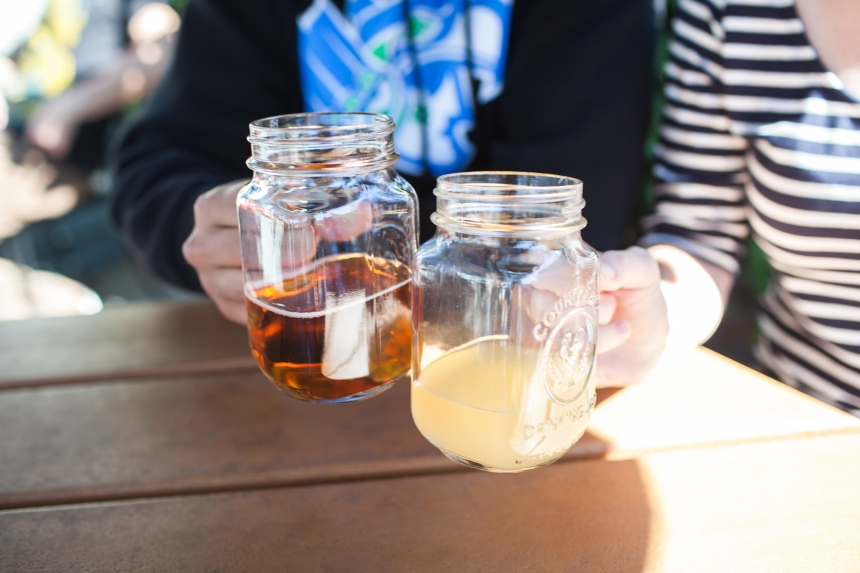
(58, 252)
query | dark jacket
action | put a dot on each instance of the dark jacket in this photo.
(576, 102)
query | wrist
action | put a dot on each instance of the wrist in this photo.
(694, 301)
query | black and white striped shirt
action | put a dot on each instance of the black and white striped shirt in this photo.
(758, 135)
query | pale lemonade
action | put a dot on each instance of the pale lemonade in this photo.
(486, 404)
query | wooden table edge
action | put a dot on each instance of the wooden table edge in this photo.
(226, 366)
(340, 473)
(774, 382)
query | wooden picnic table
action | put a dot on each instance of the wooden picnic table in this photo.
(144, 438)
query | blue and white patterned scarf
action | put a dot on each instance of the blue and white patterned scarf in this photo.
(363, 61)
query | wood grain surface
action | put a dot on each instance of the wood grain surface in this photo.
(145, 438)
(786, 506)
(195, 434)
(174, 436)
(141, 339)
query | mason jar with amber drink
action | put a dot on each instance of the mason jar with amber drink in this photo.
(328, 233)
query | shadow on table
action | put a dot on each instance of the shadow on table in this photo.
(573, 516)
(581, 514)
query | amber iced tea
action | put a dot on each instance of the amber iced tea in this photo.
(341, 331)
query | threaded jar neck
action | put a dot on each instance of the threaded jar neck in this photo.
(509, 203)
(322, 144)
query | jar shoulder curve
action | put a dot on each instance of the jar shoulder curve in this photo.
(587, 261)
(250, 191)
(544, 270)
(509, 260)
(401, 185)
(580, 251)
(429, 259)
(289, 196)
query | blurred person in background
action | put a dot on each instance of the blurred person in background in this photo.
(761, 136)
(123, 51)
(68, 70)
(526, 85)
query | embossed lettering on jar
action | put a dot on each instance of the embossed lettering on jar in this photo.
(506, 321)
(328, 234)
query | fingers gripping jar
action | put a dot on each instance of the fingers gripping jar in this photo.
(505, 325)
(328, 233)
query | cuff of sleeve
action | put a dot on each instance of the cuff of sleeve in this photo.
(707, 253)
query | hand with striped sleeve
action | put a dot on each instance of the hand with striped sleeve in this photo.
(633, 324)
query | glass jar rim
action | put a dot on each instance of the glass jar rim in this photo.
(312, 126)
(519, 186)
(509, 203)
(322, 144)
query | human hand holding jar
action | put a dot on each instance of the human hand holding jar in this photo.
(632, 319)
(634, 323)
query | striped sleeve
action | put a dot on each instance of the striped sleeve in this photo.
(700, 163)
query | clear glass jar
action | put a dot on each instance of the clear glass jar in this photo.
(505, 325)
(328, 233)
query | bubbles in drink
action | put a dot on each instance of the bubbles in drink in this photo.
(340, 331)
(481, 405)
